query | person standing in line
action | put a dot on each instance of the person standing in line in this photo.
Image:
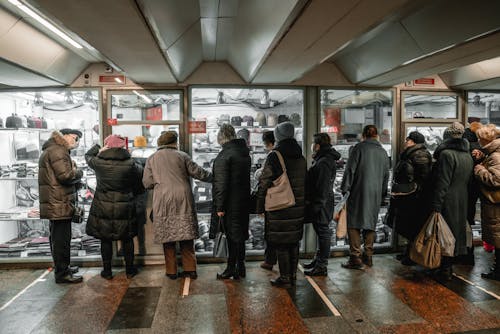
(451, 176)
(231, 198)
(410, 205)
(112, 215)
(58, 178)
(488, 175)
(320, 181)
(476, 153)
(284, 228)
(168, 172)
(365, 178)
(270, 258)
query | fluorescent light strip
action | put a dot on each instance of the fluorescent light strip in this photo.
(45, 23)
(142, 96)
(118, 80)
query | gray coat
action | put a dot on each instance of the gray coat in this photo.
(365, 177)
(451, 174)
(168, 172)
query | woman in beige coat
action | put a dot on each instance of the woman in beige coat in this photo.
(168, 172)
(488, 175)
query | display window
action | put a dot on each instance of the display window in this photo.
(418, 106)
(433, 133)
(27, 120)
(483, 107)
(150, 106)
(344, 113)
(251, 111)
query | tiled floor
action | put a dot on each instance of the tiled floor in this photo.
(388, 298)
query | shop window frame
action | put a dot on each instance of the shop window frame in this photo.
(458, 108)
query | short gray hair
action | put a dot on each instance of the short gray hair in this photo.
(226, 134)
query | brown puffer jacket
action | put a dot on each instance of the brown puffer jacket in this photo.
(489, 177)
(57, 179)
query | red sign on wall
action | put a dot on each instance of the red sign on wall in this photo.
(424, 81)
(197, 127)
(154, 114)
(112, 121)
(112, 79)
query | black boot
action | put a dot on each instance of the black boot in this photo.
(242, 270)
(494, 273)
(309, 265)
(106, 272)
(294, 262)
(230, 272)
(282, 282)
(284, 263)
(317, 271)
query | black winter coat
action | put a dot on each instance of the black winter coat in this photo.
(451, 174)
(57, 179)
(320, 181)
(411, 211)
(284, 226)
(231, 190)
(113, 214)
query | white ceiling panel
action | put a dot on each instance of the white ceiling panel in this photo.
(117, 29)
(225, 29)
(187, 53)
(7, 21)
(209, 8)
(209, 37)
(481, 71)
(260, 24)
(323, 29)
(15, 76)
(228, 8)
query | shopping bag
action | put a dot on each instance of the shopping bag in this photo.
(445, 236)
(340, 205)
(280, 195)
(426, 250)
(341, 230)
(220, 243)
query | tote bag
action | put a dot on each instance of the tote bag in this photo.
(280, 195)
(220, 243)
(426, 250)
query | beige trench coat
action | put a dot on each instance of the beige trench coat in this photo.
(168, 172)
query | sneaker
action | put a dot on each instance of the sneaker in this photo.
(309, 265)
(73, 269)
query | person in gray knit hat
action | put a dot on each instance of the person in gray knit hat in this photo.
(455, 130)
(284, 130)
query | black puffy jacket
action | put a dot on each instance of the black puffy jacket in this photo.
(320, 180)
(57, 179)
(113, 214)
(284, 226)
(231, 190)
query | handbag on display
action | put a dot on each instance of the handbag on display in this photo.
(426, 250)
(280, 195)
(236, 120)
(221, 249)
(491, 194)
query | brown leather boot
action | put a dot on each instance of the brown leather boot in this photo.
(353, 263)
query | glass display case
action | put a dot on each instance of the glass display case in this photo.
(27, 120)
(419, 106)
(483, 107)
(251, 111)
(141, 116)
(344, 113)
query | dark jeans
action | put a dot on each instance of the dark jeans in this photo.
(270, 256)
(60, 246)
(236, 253)
(288, 259)
(324, 234)
(107, 252)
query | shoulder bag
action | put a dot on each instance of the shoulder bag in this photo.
(220, 244)
(280, 195)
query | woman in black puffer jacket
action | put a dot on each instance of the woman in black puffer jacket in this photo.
(284, 227)
(112, 214)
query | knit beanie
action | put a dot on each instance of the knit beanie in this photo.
(455, 130)
(283, 131)
(114, 141)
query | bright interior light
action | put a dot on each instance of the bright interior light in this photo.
(118, 80)
(142, 96)
(45, 23)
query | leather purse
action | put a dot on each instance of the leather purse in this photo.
(280, 195)
(221, 249)
(491, 194)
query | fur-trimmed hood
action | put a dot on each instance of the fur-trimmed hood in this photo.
(56, 138)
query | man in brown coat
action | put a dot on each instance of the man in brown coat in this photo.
(57, 180)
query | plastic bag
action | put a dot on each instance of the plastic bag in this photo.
(340, 206)
(445, 236)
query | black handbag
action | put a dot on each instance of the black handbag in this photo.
(220, 244)
(79, 213)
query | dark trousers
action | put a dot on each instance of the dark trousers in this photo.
(236, 253)
(324, 234)
(107, 252)
(60, 246)
(270, 256)
(288, 259)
